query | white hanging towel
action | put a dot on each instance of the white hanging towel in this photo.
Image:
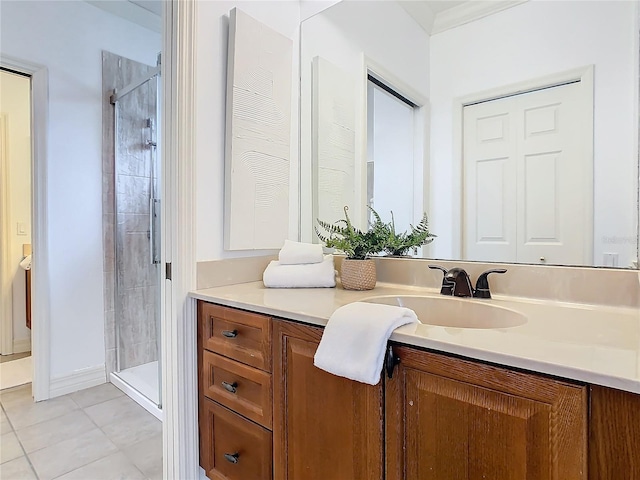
(311, 275)
(354, 341)
(296, 253)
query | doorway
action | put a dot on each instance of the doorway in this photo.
(15, 228)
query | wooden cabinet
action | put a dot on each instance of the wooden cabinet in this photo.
(438, 418)
(614, 435)
(448, 418)
(325, 427)
(235, 393)
(451, 419)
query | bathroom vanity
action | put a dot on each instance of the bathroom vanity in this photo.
(451, 407)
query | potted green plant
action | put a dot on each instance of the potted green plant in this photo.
(358, 269)
(399, 244)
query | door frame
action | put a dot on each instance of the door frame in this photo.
(421, 140)
(6, 315)
(40, 333)
(178, 312)
(584, 75)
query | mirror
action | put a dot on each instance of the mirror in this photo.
(514, 125)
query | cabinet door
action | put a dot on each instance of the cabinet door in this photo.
(325, 427)
(450, 419)
(614, 435)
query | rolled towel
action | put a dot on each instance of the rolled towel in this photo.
(312, 275)
(354, 341)
(296, 253)
(26, 263)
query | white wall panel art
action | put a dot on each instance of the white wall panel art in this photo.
(258, 137)
(334, 140)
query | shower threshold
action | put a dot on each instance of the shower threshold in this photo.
(140, 383)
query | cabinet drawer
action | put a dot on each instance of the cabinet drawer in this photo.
(235, 448)
(243, 389)
(243, 336)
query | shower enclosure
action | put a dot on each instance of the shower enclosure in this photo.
(137, 236)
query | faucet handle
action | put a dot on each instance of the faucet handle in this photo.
(447, 286)
(482, 285)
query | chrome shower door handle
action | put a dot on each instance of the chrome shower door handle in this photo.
(154, 250)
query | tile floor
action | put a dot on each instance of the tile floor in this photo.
(93, 434)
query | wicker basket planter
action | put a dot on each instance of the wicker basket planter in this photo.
(358, 274)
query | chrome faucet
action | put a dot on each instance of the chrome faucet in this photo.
(456, 282)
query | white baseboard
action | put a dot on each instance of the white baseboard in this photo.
(21, 346)
(78, 380)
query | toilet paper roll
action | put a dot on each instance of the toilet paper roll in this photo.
(26, 263)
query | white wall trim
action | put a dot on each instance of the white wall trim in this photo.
(22, 345)
(40, 336)
(585, 75)
(179, 365)
(468, 12)
(6, 311)
(78, 380)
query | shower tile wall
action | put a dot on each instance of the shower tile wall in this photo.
(131, 281)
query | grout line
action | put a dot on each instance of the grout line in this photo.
(24, 452)
(83, 410)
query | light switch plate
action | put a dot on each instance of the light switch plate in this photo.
(22, 228)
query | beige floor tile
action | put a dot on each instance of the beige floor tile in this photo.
(48, 433)
(16, 395)
(110, 411)
(9, 447)
(66, 456)
(132, 429)
(95, 395)
(25, 414)
(5, 426)
(147, 456)
(17, 469)
(113, 467)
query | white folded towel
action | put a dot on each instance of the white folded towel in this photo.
(312, 275)
(354, 341)
(296, 253)
(26, 263)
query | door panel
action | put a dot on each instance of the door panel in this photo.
(451, 419)
(489, 169)
(536, 207)
(325, 427)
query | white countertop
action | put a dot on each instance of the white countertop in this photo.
(594, 344)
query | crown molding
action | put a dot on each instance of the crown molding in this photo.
(470, 11)
(132, 12)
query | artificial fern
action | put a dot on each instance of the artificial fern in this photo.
(399, 244)
(355, 243)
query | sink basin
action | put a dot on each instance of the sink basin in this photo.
(455, 312)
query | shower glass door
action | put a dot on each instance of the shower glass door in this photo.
(137, 236)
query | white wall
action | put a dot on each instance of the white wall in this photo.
(67, 38)
(532, 40)
(211, 80)
(388, 36)
(15, 105)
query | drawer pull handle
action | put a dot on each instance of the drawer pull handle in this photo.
(230, 387)
(230, 333)
(232, 457)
